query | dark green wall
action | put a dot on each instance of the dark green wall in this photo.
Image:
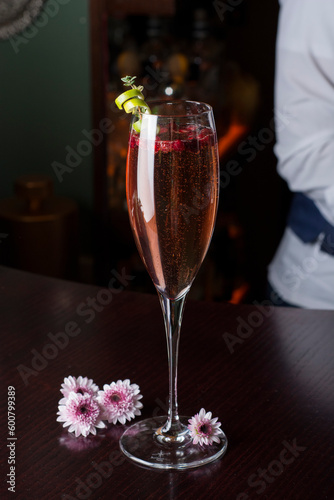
(45, 99)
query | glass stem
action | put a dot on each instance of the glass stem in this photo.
(173, 313)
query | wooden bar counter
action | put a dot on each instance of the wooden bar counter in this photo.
(267, 373)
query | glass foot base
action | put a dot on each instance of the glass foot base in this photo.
(141, 443)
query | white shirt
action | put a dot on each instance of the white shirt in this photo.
(304, 109)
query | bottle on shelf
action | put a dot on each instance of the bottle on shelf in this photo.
(40, 230)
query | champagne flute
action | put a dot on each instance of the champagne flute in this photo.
(172, 183)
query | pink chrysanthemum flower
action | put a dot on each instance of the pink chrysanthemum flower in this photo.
(80, 385)
(120, 401)
(204, 429)
(81, 414)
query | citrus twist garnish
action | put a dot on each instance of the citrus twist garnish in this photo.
(132, 101)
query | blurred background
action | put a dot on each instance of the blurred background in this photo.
(63, 142)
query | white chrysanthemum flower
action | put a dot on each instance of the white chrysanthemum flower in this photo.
(204, 429)
(120, 401)
(81, 414)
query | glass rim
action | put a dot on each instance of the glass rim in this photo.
(166, 102)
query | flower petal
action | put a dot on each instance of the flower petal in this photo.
(120, 401)
(204, 429)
